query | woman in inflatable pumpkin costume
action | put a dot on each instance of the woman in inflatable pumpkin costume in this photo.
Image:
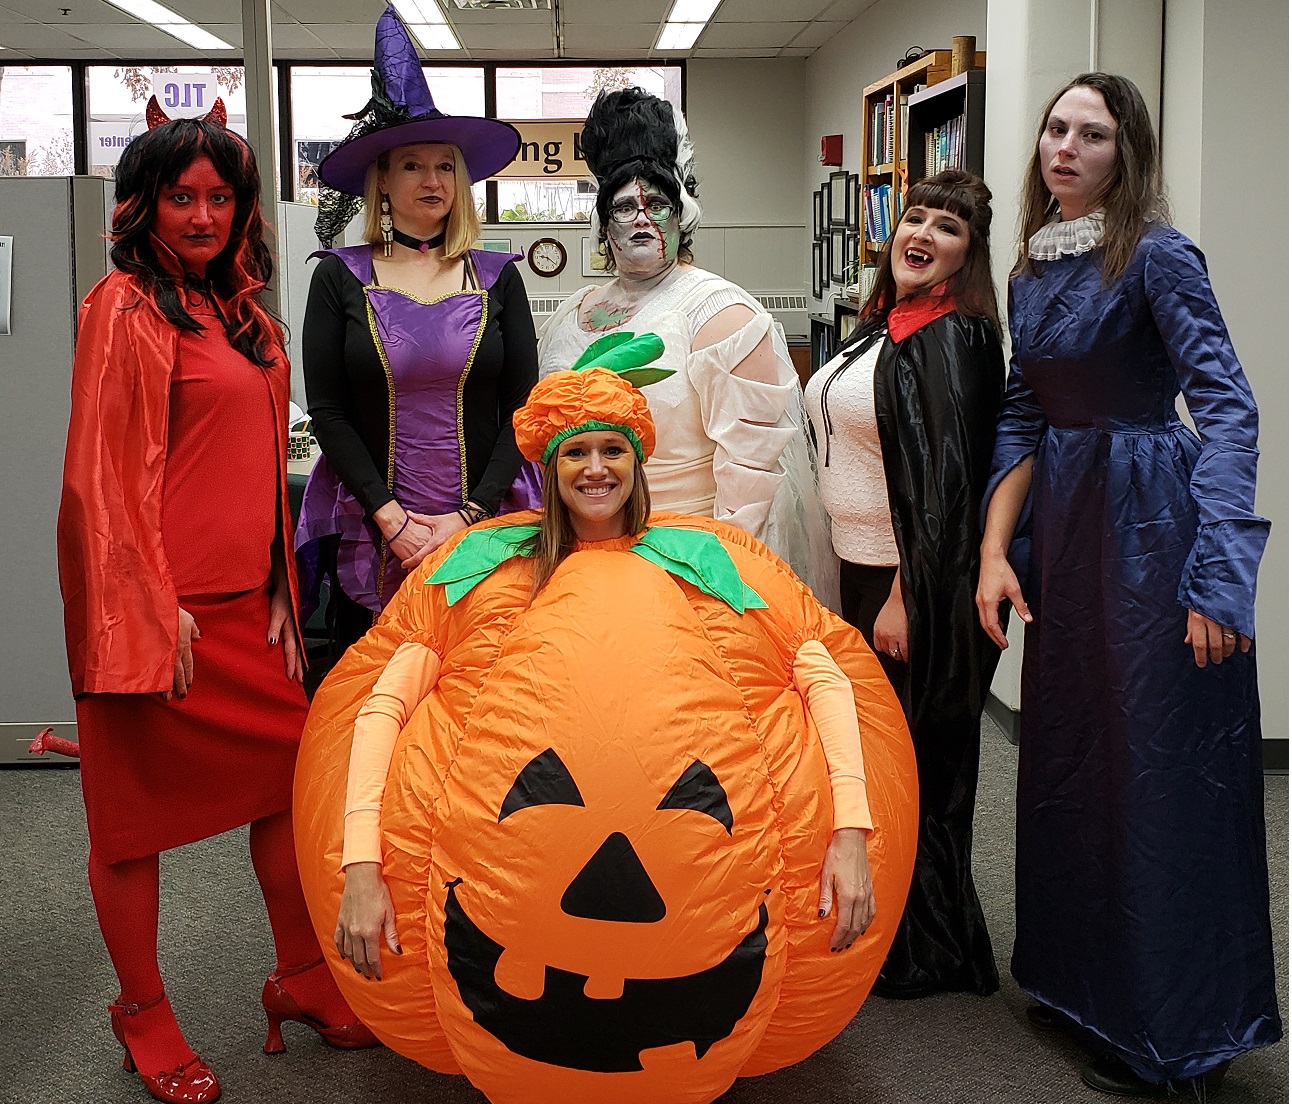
(599, 756)
(732, 432)
(178, 603)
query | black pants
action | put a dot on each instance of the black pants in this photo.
(863, 590)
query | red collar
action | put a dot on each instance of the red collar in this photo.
(914, 314)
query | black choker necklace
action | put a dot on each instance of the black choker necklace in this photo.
(420, 244)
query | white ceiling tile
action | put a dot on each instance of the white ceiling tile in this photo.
(124, 39)
(348, 39)
(574, 12)
(753, 36)
(817, 34)
(769, 11)
(629, 38)
(329, 11)
(518, 17)
(746, 53)
(497, 37)
(798, 51)
(847, 10)
(296, 37)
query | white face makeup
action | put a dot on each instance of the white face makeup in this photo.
(646, 245)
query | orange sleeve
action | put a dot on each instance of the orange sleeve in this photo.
(408, 677)
(833, 709)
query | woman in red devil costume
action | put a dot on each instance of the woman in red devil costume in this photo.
(179, 595)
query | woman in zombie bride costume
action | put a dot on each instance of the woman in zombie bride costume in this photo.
(731, 442)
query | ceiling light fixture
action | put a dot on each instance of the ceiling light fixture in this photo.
(678, 36)
(692, 11)
(427, 24)
(148, 11)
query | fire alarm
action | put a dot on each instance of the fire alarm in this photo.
(832, 149)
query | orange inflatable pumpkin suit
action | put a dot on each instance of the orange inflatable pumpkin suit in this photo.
(603, 829)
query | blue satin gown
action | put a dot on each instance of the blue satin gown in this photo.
(1142, 891)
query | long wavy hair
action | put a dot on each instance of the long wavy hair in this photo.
(556, 539)
(156, 159)
(965, 195)
(1134, 195)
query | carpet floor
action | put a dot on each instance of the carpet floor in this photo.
(215, 952)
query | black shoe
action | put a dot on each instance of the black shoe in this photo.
(1045, 1018)
(1113, 1076)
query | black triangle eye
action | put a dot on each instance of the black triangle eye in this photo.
(545, 780)
(699, 789)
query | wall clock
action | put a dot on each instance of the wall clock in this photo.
(547, 256)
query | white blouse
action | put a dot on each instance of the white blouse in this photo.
(850, 465)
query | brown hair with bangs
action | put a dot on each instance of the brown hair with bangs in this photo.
(463, 228)
(1134, 196)
(967, 197)
(555, 538)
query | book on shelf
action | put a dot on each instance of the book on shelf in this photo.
(904, 128)
(889, 145)
(944, 146)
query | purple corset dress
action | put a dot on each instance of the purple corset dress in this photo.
(427, 350)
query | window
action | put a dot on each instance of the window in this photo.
(565, 92)
(118, 96)
(36, 120)
(323, 95)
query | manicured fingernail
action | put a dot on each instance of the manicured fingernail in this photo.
(820, 913)
(399, 950)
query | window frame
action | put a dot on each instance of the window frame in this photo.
(286, 190)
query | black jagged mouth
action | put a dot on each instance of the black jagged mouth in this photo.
(566, 1028)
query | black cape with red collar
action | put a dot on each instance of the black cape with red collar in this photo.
(939, 384)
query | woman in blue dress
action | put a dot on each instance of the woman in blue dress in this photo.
(1142, 895)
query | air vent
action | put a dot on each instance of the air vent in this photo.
(494, 5)
(781, 301)
(539, 306)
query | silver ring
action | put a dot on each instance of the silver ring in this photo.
(894, 651)
(1227, 636)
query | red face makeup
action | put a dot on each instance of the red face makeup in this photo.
(195, 216)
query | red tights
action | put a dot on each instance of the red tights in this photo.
(126, 898)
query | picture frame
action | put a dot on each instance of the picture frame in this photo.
(817, 288)
(854, 256)
(838, 255)
(594, 260)
(823, 264)
(818, 213)
(837, 200)
(495, 245)
(854, 202)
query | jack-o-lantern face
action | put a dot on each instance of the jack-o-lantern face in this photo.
(566, 1027)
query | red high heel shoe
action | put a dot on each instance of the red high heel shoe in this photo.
(189, 1083)
(280, 1005)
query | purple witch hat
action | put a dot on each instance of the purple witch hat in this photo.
(402, 112)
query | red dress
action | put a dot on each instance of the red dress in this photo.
(158, 774)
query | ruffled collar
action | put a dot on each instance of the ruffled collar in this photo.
(1067, 239)
(911, 315)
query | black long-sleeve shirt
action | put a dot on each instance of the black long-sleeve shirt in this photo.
(345, 386)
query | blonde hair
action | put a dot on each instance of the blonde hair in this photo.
(463, 229)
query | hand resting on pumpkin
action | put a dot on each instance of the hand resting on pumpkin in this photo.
(846, 886)
(367, 916)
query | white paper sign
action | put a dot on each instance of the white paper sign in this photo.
(185, 95)
(6, 281)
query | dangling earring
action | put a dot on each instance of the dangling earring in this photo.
(387, 225)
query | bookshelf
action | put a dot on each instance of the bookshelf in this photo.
(898, 113)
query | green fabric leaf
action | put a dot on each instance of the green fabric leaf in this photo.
(602, 344)
(478, 555)
(699, 558)
(641, 377)
(641, 350)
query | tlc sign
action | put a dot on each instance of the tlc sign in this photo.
(185, 95)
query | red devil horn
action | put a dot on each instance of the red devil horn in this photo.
(154, 114)
(217, 114)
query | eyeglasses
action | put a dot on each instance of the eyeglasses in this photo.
(657, 210)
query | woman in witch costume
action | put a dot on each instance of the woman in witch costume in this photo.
(904, 419)
(732, 440)
(417, 348)
(180, 606)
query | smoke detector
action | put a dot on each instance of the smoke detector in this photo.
(495, 5)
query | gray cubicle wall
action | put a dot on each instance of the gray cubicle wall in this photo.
(59, 251)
